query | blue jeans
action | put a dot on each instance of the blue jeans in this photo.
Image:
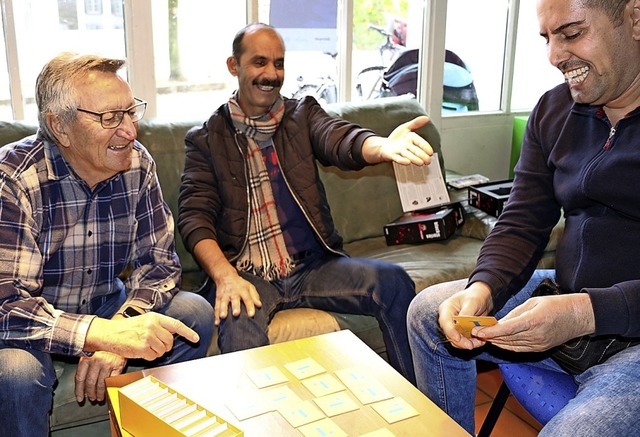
(331, 283)
(607, 402)
(27, 377)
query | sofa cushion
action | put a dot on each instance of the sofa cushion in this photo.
(427, 264)
(11, 131)
(300, 323)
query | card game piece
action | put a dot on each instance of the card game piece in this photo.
(394, 410)
(301, 413)
(322, 428)
(369, 392)
(322, 385)
(280, 397)
(336, 403)
(464, 324)
(304, 368)
(245, 405)
(267, 377)
(354, 376)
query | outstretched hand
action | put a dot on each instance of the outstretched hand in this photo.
(402, 146)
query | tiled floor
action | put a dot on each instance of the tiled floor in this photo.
(513, 420)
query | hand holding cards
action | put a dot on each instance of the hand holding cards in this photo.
(464, 324)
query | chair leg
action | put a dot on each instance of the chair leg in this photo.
(494, 412)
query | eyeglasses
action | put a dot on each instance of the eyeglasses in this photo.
(113, 118)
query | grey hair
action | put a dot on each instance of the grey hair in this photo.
(56, 91)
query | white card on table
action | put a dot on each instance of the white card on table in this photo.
(304, 368)
(394, 410)
(267, 377)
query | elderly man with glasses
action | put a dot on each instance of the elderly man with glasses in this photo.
(86, 242)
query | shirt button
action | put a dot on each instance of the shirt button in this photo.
(89, 233)
(89, 271)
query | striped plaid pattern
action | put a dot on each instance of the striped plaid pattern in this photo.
(63, 246)
(266, 254)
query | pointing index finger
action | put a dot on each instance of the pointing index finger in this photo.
(177, 327)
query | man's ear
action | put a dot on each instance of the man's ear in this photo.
(232, 65)
(57, 128)
(636, 19)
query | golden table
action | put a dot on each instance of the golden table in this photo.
(211, 381)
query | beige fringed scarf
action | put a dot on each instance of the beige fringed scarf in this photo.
(266, 254)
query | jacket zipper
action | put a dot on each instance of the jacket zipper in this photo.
(607, 144)
(605, 148)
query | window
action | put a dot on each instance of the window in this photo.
(5, 96)
(381, 34)
(191, 42)
(116, 8)
(475, 36)
(177, 49)
(309, 30)
(533, 74)
(93, 7)
(41, 17)
(68, 14)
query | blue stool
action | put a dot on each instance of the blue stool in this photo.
(542, 392)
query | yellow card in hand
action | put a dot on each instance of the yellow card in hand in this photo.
(464, 324)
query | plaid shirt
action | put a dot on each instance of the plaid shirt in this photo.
(64, 247)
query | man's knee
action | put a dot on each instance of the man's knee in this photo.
(26, 378)
(22, 368)
(394, 283)
(26, 390)
(243, 332)
(424, 308)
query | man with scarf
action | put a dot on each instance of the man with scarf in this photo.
(254, 214)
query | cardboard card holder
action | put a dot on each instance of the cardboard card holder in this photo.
(150, 408)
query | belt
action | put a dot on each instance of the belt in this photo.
(300, 255)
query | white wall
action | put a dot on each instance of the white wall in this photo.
(478, 144)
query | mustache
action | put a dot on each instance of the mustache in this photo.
(267, 82)
(570, 65)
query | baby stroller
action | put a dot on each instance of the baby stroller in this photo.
(459, 90)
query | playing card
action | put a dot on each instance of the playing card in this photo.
(464, 324)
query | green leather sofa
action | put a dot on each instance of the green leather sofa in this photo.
(362, 203)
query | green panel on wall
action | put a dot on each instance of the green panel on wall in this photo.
(519, 123)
